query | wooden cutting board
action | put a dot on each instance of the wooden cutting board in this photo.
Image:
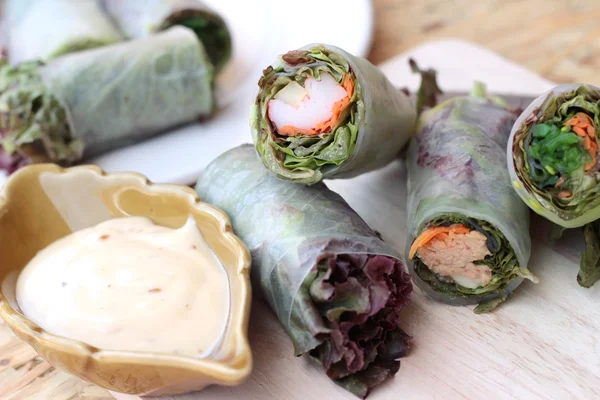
(542, 344)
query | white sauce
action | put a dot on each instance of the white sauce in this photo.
(128, 284)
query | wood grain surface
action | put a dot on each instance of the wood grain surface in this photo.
(558, 39)
(540, 345)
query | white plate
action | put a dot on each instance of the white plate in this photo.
(261, 30)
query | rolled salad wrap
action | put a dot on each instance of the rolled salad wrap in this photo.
(468, 233)
(141, 18)
(335, 286)
(98, 100)
(553, 163)
(322, 113)
(44, 29)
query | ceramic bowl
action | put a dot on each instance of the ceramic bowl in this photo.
(42, 203)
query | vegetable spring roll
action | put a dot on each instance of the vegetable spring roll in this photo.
(102, 99)
(44, 29)
(468, 239)
(322, 113)
(335, 286)
(141, 18)
(553, 163)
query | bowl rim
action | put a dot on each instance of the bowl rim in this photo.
(230, 372)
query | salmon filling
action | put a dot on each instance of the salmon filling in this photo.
(452, 251)
(313, 109)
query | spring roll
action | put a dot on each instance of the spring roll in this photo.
(141, 18)
(553, 163)
(102, 99)
(322, 113)
(45, 29)
(468, 239)
(335, 286)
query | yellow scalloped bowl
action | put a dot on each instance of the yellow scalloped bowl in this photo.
(42, 203)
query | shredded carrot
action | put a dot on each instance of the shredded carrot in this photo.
(428, 234)
(579, 131)
(565, 194)
(560, 181)
(336, 111)
(583, 126)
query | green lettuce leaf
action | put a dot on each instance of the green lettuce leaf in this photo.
(589, 269)
(33, 115)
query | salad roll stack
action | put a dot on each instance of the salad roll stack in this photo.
(44, 29)
(334, 285)
(468, 232)
(101, 99)
(553, 164)
(141, 18)
(323, 113)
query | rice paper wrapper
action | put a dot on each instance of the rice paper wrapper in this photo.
(516, 157)
(385, 118)
(142, 18)
(456, 165)
(119, 95)
(290, 229)
(45, 29)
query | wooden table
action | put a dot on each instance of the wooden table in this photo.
(556, 38)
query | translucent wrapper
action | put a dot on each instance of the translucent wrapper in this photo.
(582, 207)
(141, 18)
(320, 267)
(457, 174)
(373, 129)
(105, 98)
(44, 29)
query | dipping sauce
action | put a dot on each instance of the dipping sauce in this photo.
(128, 284)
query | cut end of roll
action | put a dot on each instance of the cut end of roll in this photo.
(360, 298)
(33, 124)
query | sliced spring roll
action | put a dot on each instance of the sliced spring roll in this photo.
(553, 163)
(141, 18)
(335, 286)
(468, 239)
(98, 100)
(322, 113)
(44, 29)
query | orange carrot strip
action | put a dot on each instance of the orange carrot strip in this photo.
(585, 119)
(579, 131)
(583, 126)
(428, 234)
(591, 131)
(565, 194)
(572, 122)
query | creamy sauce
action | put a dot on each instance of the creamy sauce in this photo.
(128, 284)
